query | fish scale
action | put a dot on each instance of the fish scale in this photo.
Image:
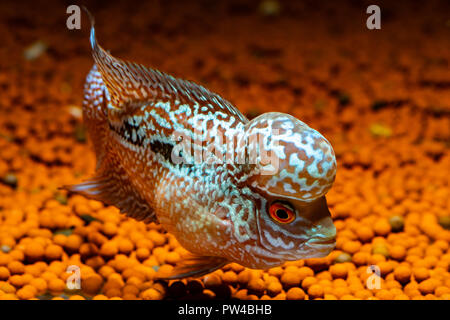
(219, 200)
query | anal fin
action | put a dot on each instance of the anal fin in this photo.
(194, 266)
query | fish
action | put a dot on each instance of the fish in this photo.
(229, 189)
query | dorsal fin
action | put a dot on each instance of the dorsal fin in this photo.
(131, 84)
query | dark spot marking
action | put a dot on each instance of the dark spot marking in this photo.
(126, 132)
(163, 148)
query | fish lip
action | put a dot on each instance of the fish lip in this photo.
(323, 242)
(321, 247)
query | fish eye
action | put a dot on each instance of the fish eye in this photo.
(281, 213)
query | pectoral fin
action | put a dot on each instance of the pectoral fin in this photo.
(194, 266)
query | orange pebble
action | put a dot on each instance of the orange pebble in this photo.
(365, 233)
(339, 283)
(142, 253)
(165, 269)
(106, 271)
(53, 252)
(144, 243)
(304, 272)
(160, 254)
(130, 289)
(427, 286)
(4, 273)
(363, 294)
(397, 252)
(308, 282)
(17, 255)
(384, 295)
(173, 257)
(56, 285)
(402, 274)
(6, 287)
(421, 273)
(256, 285)
(151, 294)
(382, 227)
(109, 249)
(47, 275)
(290, 279)
(16, 267)
(295, 293)
(351, 246)
(441, 290)
(125, 246)
(274, 288)
(109, 228)
(16, 280)
(59, 239)
(339, 292)
(360, 258)
(73, 242)
(212, 280)
(315, 291)
(244, 277)
(34, 270)
(40, 284)
(157, 238)
(115, 280)
(5, 259)
(230, 277)
(385, 267)
(339, 270)
(376, 259)
(34, 250)
(92, 284)
(27, 292)
(113, 292)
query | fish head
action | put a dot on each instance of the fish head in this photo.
(290, 184)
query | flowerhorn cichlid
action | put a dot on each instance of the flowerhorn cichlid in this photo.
(170, 151)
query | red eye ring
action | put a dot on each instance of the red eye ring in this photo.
(281, 213)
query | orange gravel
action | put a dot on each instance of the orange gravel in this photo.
(381, 97)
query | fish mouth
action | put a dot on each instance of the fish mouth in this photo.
(324, 242)
(325, 246)
(319, 248)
